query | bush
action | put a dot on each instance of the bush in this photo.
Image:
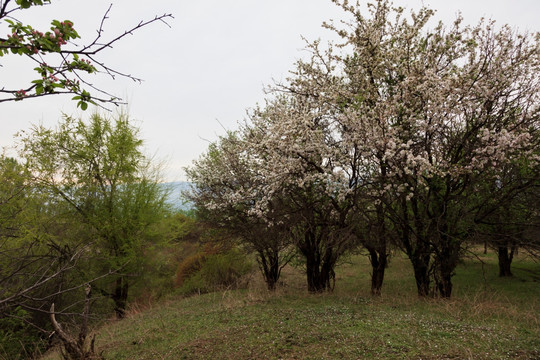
(18, 340)
(189, 266)
(217, 271)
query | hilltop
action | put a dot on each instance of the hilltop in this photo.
(479, 322)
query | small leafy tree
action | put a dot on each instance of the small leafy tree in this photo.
(98, 171)
(34, 265)
(515, 225)
(27, 258)
(61, 63)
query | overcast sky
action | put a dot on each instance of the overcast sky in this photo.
(202, 74)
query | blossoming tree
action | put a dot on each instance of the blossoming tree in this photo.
(227, 187)
(426, 118)
(398, 133)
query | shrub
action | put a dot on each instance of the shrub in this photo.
(217, 271)
(17, 338)
(189, 266)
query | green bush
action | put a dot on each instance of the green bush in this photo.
(216, 272)
(18, 340)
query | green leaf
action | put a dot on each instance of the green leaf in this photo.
(83, 105)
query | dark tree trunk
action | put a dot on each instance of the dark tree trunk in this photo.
(120, 297)
(445, 266)
(505, 260)
(379, 262)
(320, 261)
(446, 263)
(421, 275)
(444, 284)
(422, 281)
(270, 268)
(417, 249)
(320, 273)
(313, 272)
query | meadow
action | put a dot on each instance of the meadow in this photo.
(487, 318)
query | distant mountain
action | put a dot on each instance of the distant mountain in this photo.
(175, 197)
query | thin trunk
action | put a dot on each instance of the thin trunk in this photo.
(320, 273)
(120, 297)
(444, 284)
(313, 273)
(416, 249)
(421, 275)
(446, 262)
(76, 348)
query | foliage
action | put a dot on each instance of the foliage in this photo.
(98, 172)
(515, 225)
(217, 177)
(35, 261)
(206, 272)
(46, 254)
(62, 62)
(189, 266)
(16, 335)
(28, 258)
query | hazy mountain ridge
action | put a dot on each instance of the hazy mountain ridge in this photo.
(175, 197)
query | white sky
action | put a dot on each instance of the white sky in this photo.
(202, 74)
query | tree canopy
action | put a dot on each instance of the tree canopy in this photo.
(98, 171)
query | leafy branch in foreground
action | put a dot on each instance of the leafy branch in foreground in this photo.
(61, 62)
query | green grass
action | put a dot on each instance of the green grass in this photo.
(488, 318)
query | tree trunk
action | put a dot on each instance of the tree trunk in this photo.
(446, 263)
(320, 274)
(313, 273)
(76, 348)
(319, 266)
(444, 283)
(505, 260)
(418, 249)
(421, 275)
(120, 297)
(379, 261)
(270, 268)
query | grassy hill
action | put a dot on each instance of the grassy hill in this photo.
(488, 318)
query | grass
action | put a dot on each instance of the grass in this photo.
(488, 318)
